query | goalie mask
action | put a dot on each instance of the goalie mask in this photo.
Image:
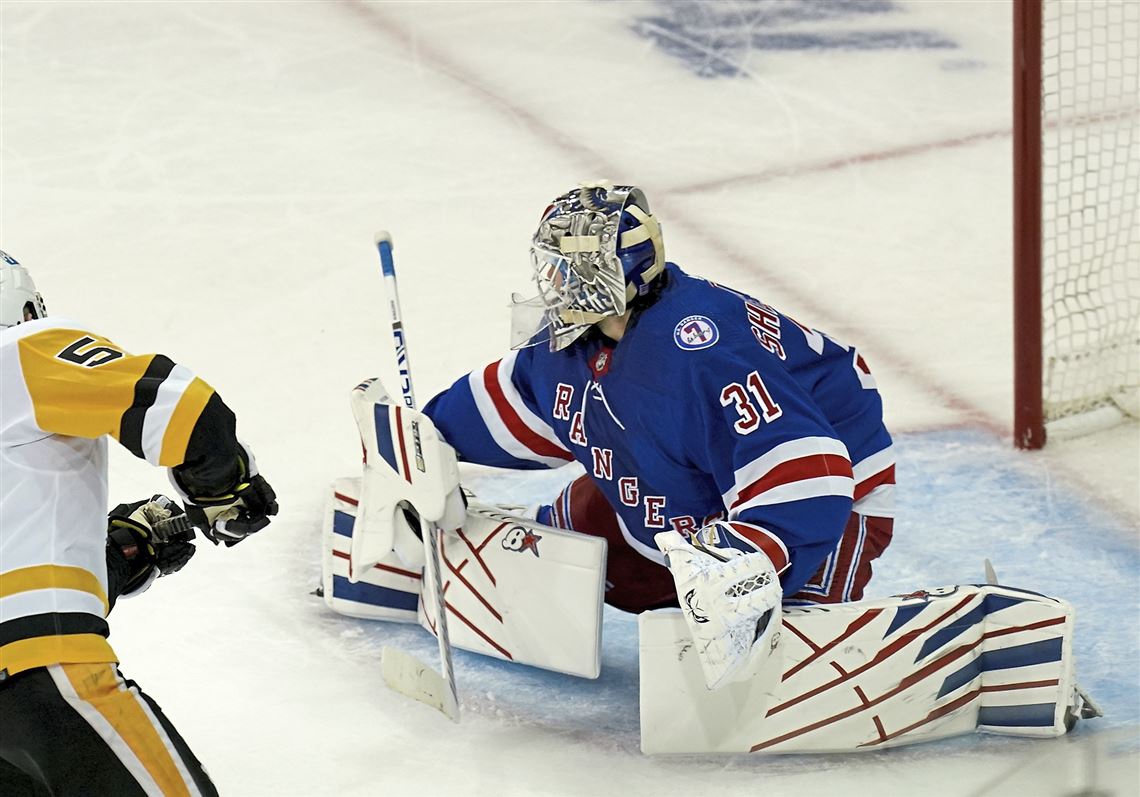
(19, 300)
(596, 249)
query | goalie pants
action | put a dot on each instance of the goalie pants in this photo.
(81, 729)
(636, 584)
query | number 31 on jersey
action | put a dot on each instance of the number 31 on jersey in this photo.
(752, 402)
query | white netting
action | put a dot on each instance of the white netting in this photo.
(1090, 221)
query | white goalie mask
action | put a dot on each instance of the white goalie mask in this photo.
(596, 248)
(19, 300)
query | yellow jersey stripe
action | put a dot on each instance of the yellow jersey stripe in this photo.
(52, 577)
(80, 383)
(182, 422)
(26, 654)
(100, 686)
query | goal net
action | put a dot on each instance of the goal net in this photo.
(1077, 224)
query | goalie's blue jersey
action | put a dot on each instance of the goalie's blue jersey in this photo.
(712, 405)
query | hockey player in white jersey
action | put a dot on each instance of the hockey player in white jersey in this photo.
(69, 722)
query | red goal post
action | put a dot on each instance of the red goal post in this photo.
(1076, 241)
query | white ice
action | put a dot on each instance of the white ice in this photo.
(204, 179)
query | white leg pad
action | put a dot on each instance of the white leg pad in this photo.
(387, 590)
(870, 674)
(523, 592)
(514, 589)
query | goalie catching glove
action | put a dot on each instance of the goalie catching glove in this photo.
(731, 601)
(147, 539)
(231, 515)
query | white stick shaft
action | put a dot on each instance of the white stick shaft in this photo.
(432, 536)
(403, 363)
(433, 540)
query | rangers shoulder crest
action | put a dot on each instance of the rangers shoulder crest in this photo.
(695, 332)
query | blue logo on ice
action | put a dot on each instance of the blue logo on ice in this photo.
(695, 332)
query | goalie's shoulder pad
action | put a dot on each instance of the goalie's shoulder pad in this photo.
(405, 452)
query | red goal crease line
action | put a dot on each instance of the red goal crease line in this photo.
(905, 151)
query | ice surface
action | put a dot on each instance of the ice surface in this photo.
(203, 179)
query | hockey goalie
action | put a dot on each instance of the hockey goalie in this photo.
(738, 486)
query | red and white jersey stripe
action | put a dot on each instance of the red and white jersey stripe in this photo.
(810, 467)
(761, 539)
(875, 484)
(514, 427)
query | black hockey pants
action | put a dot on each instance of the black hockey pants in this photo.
(80, 729)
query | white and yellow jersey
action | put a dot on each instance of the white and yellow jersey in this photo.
(63, 391)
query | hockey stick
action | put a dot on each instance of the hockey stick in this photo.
(401, 671)
(388, 267)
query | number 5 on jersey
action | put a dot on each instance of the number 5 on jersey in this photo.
(82, 353)
(751, 404)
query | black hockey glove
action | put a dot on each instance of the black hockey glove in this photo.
(151, 538)
(235, 513)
